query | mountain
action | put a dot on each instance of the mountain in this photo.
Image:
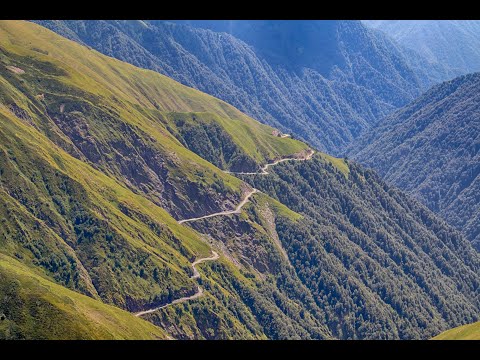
(35, 308)
(465, 332)
(430, 148)
(455, 43)
(121, 195)
(89, 151)
(326, 84)
(366, 243)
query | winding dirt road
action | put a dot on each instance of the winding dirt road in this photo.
(215, 256)
(263, 170)
(238, 209)
(196, 274)
(199, 292)
(253, 191)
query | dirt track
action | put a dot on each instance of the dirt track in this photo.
(199, 292)
(215, 256)
(247, 197)
(263, 170)
(228, 212)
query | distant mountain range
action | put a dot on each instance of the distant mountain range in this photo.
(323, 81)
(454, 43)
(99, 160)
(431, 149)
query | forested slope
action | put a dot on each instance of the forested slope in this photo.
(455, 43)
(430, 148)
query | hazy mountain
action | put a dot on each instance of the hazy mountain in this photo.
(324, 81)
(430, 148)
(455, 43)
(99, 158)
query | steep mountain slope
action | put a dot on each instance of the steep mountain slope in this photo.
(146, 107)
(391, 261)
(430, 148)
(291, 86)
(337, 49)
(84, 228)
(71, 118)
(455, 43)
(465, 332)
(33, 307)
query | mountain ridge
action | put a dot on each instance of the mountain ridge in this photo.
(314, 105)
(430, 149)
(451, 42)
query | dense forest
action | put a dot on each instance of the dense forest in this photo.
(378, 263)
(430, 148)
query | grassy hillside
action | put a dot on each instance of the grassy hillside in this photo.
(74, 216)
(74, 208)
(124, 120)
(69, 222)
(33, 307)
(119, 247)
(465, 332)
(109, 78)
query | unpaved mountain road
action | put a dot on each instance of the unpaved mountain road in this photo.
(215, 255)
(196, 274)
(199, 292)
(238, 209)
(253, 191)
(176, 301)
(263, 170)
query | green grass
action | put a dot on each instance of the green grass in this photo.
(465, 332)
(32, 152)
(251, 138)
(263, 200)
(338, 163)
(50, 311)
(74, 224)
(102, 199)
(105, 78)
(121, 109)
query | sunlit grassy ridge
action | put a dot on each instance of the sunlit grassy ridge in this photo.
(38, 308)
(340, 164)
(125, 121)
(94, 161)
(465, 332)
(79, 67)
